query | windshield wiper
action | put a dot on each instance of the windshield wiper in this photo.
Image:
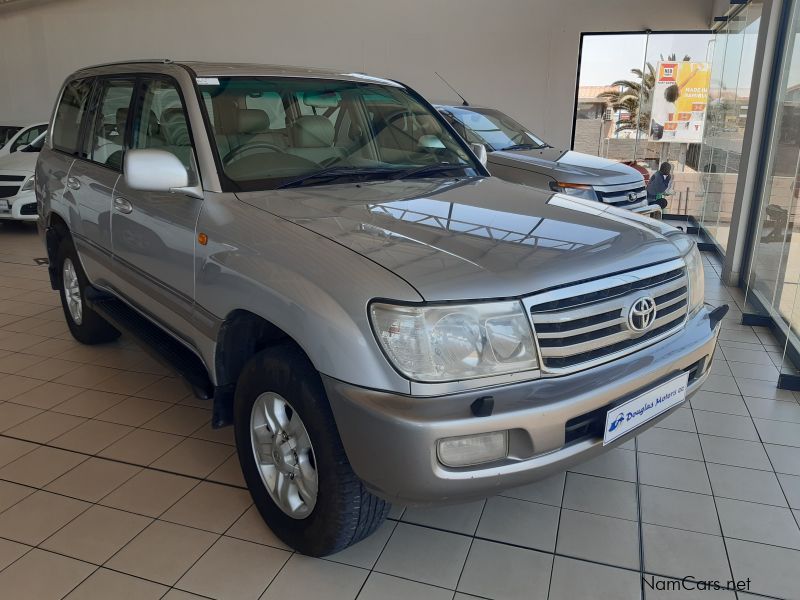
(334, 172)
(525, 147)
(427, 170)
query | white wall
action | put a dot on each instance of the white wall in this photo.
(518, 55)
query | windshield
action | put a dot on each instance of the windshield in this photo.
(36, 145)
(494, 129)
(279, 132)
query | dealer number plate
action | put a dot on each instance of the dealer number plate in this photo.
(636, 412)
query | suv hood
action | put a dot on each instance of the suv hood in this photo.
(477, 238)
(571, 167)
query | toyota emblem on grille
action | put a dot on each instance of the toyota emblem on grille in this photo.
(632, 196)
(642, 314)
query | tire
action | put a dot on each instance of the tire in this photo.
(343, 511)
(86, 325)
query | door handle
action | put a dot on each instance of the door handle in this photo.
(123, 206)
(73, 183)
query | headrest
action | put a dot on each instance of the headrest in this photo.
(252, 120)
(122, 116)
(312, 131)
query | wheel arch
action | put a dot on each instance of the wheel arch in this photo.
(242, 335)
(56, 232)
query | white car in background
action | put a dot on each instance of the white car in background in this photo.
(13, 142)
(17, 198)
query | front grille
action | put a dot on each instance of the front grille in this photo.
(19, 178)
(622, 197)
(587, 323)
(7, 191)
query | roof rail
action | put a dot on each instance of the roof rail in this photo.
(164, 61)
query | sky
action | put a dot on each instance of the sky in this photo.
(606, 58)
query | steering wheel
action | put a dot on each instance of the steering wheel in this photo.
(519, 136)
(236, 152)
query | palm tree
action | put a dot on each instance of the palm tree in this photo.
(634, 96)
(630, 95)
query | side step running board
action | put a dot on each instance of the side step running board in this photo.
(162, 345)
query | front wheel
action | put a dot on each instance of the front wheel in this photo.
(293, 460)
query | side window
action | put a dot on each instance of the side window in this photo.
(162, 122)
(69, 114)
(106, 139)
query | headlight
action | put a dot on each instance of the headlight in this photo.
(574, 189)
(697, 283)
(452, 342)
(28, 185)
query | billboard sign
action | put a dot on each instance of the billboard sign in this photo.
(680, 99)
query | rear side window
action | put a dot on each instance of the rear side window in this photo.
(66, 127)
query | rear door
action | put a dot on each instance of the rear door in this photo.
(95, 172)
(154, 233)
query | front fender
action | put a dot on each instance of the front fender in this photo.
(311, 288)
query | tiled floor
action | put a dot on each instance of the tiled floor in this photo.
(113, 485)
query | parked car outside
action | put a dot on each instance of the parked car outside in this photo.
(381, 321)
(17, 197)
(21, 138)
(517, 154)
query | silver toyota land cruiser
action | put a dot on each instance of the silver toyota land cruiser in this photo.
(322, 257)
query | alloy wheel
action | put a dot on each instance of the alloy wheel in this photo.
(284, 455)
(72, 291)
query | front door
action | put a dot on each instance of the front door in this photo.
(153, 233)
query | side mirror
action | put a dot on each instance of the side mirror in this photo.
(153, 170)
(480, 152)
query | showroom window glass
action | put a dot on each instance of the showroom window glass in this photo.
(774, 273)
(69, 114)
(642, 100)
(734, 48)
(105, 140)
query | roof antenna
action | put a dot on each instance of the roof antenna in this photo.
(463, 100)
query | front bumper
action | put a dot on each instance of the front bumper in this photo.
(15, 211)
(390, 439)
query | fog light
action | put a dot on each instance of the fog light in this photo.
(467, 450)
